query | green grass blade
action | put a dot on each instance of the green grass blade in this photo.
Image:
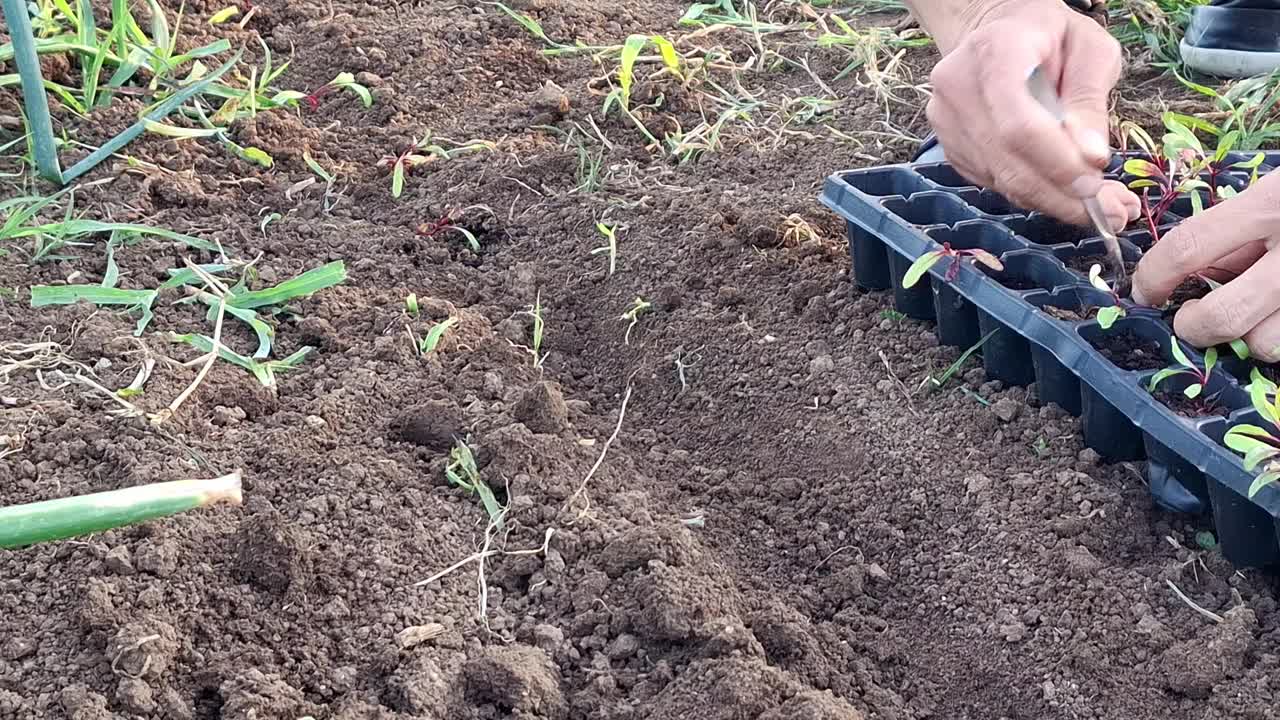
(42, 295)
(111, 277)
(186, 276)
(158, 113)
(80, 227)
(265, 333)
(435, 335)
(309, 282)
(34, 102)
(22, 525)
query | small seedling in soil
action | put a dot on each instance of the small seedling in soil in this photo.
(462, 471)
(1260, 445)
(610, 246)
(411, 305)
(1186, 367)
(929, 259)
(891, 315)
(1107, 316)
(431, 341)
(1256, 377)
(632, 316)
(343, 81)
(424, 151)
(539, 327)
(936, 383)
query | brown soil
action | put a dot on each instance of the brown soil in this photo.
(1044, 231)
(1129, 351)
(1196, 408)
(776, 533)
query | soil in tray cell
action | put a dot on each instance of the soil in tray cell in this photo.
(1018, 284)
(1048, 232)
(1270, 372)
(1193, 408)
(1129, 351)
(1082, 263)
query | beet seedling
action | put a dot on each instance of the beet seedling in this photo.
(342, 81)
(1186, 367)
(1107, 316)
(933, 257)
(424, 151)
(1259, 445)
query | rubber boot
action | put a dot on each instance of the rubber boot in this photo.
(1233, 38)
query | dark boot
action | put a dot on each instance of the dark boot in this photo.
(1234, 38)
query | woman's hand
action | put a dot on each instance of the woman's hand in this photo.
(1237, 241)
(995, 133)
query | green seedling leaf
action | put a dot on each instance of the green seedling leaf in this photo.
(1197, 204)
(1240, 349)
(667, 52)
(1259, 454)
(626, 65)
(317, 168)
(264, 332)
(180, 133)
(348, 81)
(435, 335)
(257, 156)
(1262, 403)
(1205, 540)
(462, 459)
(224, 15)
(186, 276)
(1250, 164)
(111, 277)
(265, 372)
(528, 24)
(1141, 168)
(1160, 377)
(920, 267)
(309, 282)
(140, 300)
(1193, 391)
(1107, 316)
(1179, 354)
(1210, 360)
(1262, 481)
(1225, 144)
(411, 305)
(1226, 192)
(397, 179)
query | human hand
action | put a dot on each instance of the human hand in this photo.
(1237, 242)
(994, 131)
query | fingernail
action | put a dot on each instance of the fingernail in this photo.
(1094, 145)
(1086, 186)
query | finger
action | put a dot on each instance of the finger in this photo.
(1120, 204)
(1235, 309)
(1024, 129)
(1230, 267)
(1018, 181)
(1094, 59)
(1198, 243)
(1264, 340)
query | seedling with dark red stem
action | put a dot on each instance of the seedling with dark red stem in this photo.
(1186, 367)
(343, 80)
(929, 259)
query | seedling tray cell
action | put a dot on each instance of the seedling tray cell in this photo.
(1035, 319)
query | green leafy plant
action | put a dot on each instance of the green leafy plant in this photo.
(1260, 445)
(933, 257)
(1249, 107)
(1186, 367)
(342, 81)
(462, 472)
(539, 328)
(1107, 316)
(1177, 167)
(264, 370)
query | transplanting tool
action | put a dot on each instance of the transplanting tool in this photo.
(1044, 93)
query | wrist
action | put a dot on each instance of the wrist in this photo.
(950, 21)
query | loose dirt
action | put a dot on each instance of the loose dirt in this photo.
(779, 530)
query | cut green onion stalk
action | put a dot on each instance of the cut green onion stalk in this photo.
(22, 525)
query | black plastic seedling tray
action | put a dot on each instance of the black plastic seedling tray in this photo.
(897, 213)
